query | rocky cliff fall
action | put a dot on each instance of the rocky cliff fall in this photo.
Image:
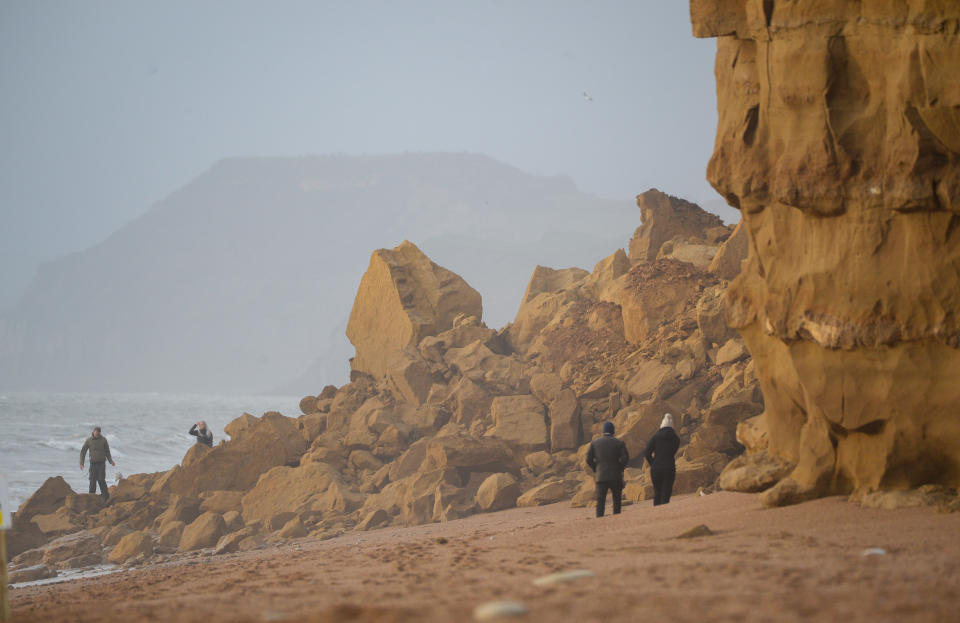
(839, 140)
(445, 417)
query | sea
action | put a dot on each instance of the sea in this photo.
(41, 433)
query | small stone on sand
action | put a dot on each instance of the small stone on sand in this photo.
(695, 532)
(873, 551)
(565, 576)
(493, 610)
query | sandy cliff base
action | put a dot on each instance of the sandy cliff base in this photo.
(789, 564)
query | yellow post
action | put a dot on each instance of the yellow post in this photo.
(4, 590)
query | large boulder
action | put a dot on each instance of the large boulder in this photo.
(133, 487)
(220, 501)
(170, 534)
(45, 500)
(548, 493)
(731, 254)
(692, 251)
(480, 364)
(413, 500)
(848, 300)
(287, 489)
(497, 492)
(409, 462)
(179, 508)
(133, 545)
(308, 405)
(657, 292)
(465, 452)
(293, 529)
(694, 474)
(565, 428)
(549, 280)
(710, 316)
(533, 316)
(58, 523)
(203, 532)
(541, 304)
(468, 401)
(465, 330)
(752, 473)
(404, 297)
(519, 421)
(31, 574)
(604, 281)
(546, 386)
(410, 376)
(71, 546)
(24, 535)
(648, 376)
(664, 218)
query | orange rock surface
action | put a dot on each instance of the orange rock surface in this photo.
(839, 140)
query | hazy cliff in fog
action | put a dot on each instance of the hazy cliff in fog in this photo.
(242, 280)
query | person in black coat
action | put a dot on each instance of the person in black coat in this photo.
(202, 433)
(660, 451)
(608, 457)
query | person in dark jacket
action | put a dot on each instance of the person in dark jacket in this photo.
(99, 455)
(660, 453)
(608, 457)
(202, 433)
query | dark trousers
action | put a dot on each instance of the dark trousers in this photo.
(662, 484)
(614, 487)
(98, 474)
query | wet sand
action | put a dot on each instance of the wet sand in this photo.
(798, 563)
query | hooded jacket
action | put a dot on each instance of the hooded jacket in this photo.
(99, 450)
(608, 457)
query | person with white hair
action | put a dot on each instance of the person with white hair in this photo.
(660, 453)
(202, 433)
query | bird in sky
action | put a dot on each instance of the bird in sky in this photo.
(587, 97)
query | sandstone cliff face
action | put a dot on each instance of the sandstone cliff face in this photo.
(404, 297)
(839, 140)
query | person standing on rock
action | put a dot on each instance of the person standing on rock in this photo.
(202, 433)
(608, 457)
(660, 453)
(99, 455)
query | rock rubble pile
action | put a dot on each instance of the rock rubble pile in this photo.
(445, 417)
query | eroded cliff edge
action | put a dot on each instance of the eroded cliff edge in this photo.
(839, 140)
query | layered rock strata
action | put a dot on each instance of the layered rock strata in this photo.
(839, 140)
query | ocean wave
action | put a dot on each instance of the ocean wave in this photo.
(63, 444)
(43, 433)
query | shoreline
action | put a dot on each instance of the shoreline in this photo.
(797, 563)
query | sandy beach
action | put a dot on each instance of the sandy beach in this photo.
(798, 563)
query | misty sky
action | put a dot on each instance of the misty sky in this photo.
(109, 106)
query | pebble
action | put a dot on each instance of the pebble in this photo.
(565, 576)
(493, 610)
(695, 532)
